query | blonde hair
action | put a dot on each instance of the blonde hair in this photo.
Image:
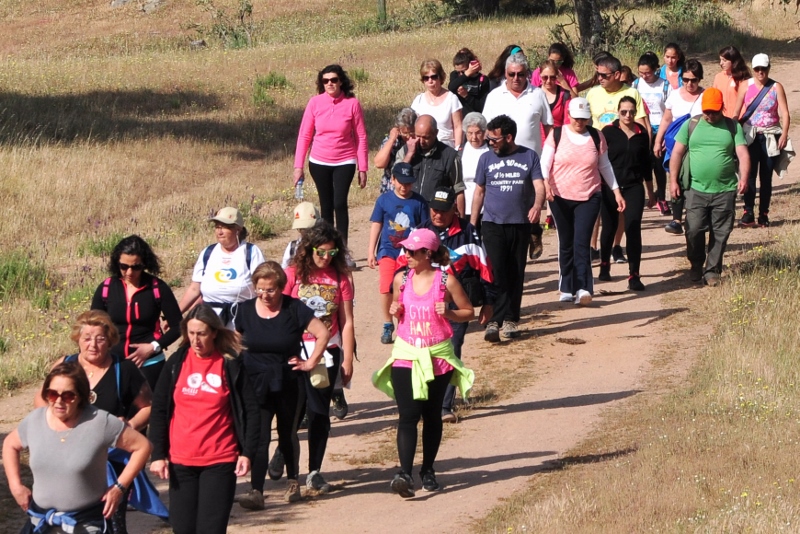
(95, 318)
(434, 65)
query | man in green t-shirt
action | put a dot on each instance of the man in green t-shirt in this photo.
(711, 197)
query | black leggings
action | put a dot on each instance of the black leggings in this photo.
(634, 208)
(319, 424)
(410, 412)
(333, 185)
(286, 405)
(201, 498)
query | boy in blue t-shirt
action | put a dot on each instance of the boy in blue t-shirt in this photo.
(396, 213)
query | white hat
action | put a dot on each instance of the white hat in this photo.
(229, 215)
(306, 215)
(761, 60)
(579, 108)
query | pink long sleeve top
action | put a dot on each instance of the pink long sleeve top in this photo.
(336, 126)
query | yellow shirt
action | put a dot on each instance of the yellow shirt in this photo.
(604, 105)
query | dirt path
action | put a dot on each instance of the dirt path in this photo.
(573, 362)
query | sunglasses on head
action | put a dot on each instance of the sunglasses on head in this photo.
(516, 75)
(433, 77)
(326, 81)
(67, 396)
(126, 267)
(690, 80)
(321, 252)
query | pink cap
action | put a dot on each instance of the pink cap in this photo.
(421, 238)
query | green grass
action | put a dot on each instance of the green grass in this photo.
(100, 246)
(21, 277)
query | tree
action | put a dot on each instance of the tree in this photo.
(590, 24)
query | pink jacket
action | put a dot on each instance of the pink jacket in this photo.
(336, 126)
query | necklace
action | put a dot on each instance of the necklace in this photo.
(62, 434)
(63, 438)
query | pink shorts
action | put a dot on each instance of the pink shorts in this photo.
(386, 268)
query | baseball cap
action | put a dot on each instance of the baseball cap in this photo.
(404, 173)
(306, 215)
(421, 238)
(760, 60)
(712, 99)
(443, 199)
(229, 215)
(579, 108)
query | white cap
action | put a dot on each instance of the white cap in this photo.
(760, 60)
(579, 108)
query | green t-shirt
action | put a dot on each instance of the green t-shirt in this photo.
(711, 151)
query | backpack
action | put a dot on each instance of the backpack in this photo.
(210, 248)
(156, 295)
(685, 174)
(595, 135)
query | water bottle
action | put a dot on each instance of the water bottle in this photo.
(298, 190)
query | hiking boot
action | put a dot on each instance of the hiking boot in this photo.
(292, 491)
(711, 279)
(492, 333)
(340, 407)
(663, 207)
(566, 297)
(403, 485)
(388, 330)
(747, 220)
(252, 500)
(449, 417)
(635, 283)
(674, 227)
(595, 254)
(763, 220)
(510, 330)
(429, 481)
(536, 248)
(315, 482)
(605, 272)
(618, 255)
(276, 465)
(549, 223)
(583, 298)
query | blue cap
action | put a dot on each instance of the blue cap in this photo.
(404, 173)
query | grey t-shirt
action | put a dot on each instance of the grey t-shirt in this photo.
(509, 184)
(69, 475)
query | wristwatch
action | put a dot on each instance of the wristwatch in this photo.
(156, 347)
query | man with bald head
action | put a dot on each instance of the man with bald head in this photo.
(435, 164)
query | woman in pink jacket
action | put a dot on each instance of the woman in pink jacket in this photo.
(333, 120)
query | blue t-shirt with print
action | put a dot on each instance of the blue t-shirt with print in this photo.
(398, 216)
(508, 181)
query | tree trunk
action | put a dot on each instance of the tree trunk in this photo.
(590, 24)
(485, 7)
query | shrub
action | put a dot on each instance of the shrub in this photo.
(235, 31)
(21, 277)
(359, 75)
(101, 246)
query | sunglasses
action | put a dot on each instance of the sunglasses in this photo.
(67, 396)
(690, 80)
(605, 75)
(125, 267)
(548, 78)
(557, 61)
(433, 77)
(626, 112)
(516, 75)
(761, 69)
(321, 253)
(326, 81)
(493, 140)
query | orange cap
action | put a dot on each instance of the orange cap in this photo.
(712, 99)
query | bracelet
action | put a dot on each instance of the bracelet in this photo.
(120, 487)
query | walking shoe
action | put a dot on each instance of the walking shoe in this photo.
(663, 207)
(429, 481)
(549, 223)
(303, 422)
(566, 297)
(696, 273)
(635, 283)
(388, 330)
(536, 248)
(315, 481)
(492, 334)
(674, 227)
(605, 272)
(252, 500)
(618, 255)
(711, 279)
(763, 220)
(583, 298)
(510, 330)
(449, 417)
(276, 465)
(403, 485)
(595, 253)
(351, 263)
(747, 220)
(340, 407)
(292, 491)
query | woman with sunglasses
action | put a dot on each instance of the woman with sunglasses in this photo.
(685, 101)
(559, 58)
(439, 103)
(334, 121)
(136, 299)
(423, 360)
(68, 440)
(272, 327)
(318, 276)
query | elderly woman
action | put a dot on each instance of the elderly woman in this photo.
(401, 132)
(204, 425)
(573, 160)
(135, 298)
(475, 126)
(334, 121)
(222, 274)
(68, 440)
(272, 326)
(439, 103)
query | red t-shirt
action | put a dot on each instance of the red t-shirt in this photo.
(202, 430)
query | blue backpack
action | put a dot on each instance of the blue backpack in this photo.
(669, 137)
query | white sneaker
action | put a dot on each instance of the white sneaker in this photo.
(566, 297)
(583, 298)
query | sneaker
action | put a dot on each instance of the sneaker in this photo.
(449, 417)
(635, 283)
(711, 280)
(276, 465)
(351, 263)
(429, 481)
(674, 227)
(618, 255)
(388, 330)
(583, 298)
(510, 330)
(292, 491)
(315, 481)
(663, 207)
(252, 500)
(595, 253)
(605, 272)
(492, 334)
(549, 223)
(763, 220)
(747, 220)
(340, 407)
(536, 248)
(566, 297)
(403, 485)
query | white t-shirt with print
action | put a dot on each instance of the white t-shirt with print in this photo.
(227, 278)
(653, 96)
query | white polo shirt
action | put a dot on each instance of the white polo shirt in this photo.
(529, 111)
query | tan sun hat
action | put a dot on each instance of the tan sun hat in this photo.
(306, 215)
(229, 215)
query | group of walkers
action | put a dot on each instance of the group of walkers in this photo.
(469, 172)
